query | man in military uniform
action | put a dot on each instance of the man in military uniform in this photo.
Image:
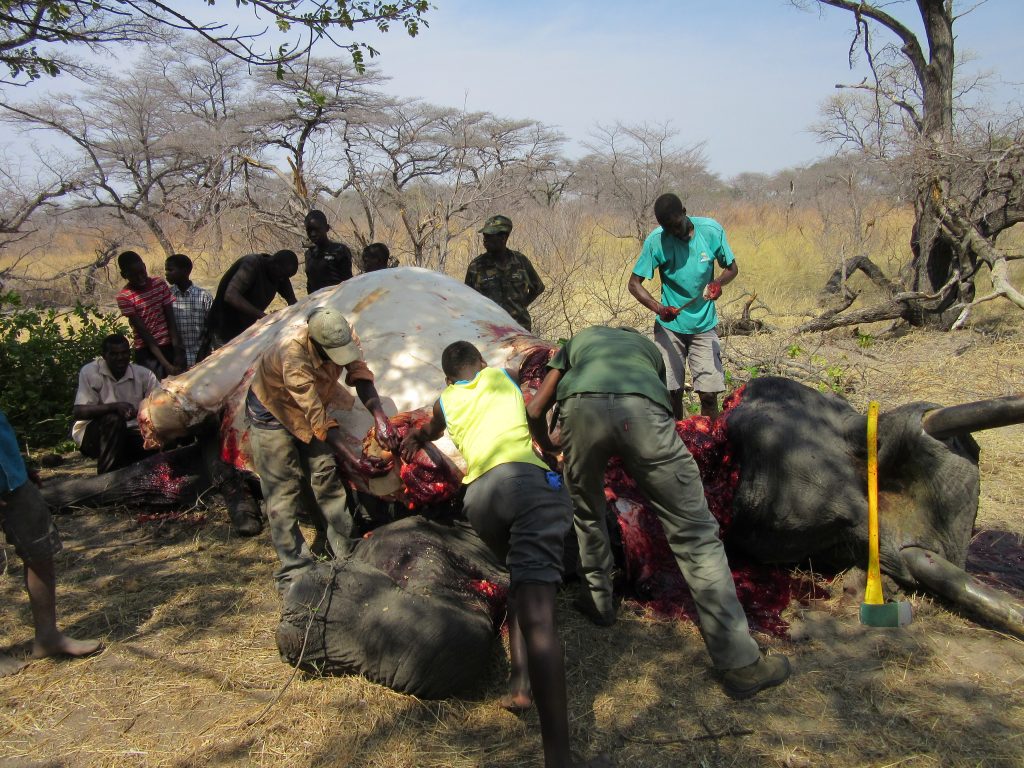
(504, 276)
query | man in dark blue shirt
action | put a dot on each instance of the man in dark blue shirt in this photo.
(327, 262)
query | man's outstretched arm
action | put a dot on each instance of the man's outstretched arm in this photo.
(427, 433)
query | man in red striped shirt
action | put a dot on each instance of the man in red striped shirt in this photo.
(146, 302)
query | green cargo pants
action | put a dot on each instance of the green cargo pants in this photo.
(285, 464)
(596, 427)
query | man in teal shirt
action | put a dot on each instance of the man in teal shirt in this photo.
(684, 250)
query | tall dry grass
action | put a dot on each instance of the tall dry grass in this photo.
(585, 257)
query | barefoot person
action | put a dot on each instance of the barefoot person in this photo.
(28, 526)
(522, 513)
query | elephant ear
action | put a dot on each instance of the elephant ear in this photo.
(788, 443)
(402, 611)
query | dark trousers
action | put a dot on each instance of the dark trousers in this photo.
(109, 440)
(146, 358)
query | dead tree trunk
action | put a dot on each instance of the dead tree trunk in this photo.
(863, 264)
(953, 180)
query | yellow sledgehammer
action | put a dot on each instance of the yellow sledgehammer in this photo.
(874, 611)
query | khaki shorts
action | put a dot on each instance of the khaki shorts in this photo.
(28, 526)
(700, 351)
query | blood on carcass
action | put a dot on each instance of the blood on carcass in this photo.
(171, 483)
(428, 479)
(651, 569)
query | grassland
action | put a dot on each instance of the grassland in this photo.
(190, 676)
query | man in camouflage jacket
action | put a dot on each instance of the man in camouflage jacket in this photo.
(504, 276)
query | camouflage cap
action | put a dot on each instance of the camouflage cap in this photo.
(496, 225)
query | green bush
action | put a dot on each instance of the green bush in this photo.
(41, 352)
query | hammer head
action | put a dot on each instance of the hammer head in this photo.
(887, 615)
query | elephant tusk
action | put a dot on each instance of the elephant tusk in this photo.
(943, 423)
(956, 585)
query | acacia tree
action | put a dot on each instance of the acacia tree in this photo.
(853, 197)
(23, 195)
(629, 166)
(439, 169)
(208, 101)
(38, 37)
(966, 182)
(153, 145)
(299, 134)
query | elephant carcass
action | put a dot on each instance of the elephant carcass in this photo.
(404, 319)
(414, 607)
(802, 487)
(784, 470)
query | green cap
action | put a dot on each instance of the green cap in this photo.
(329, 328)
(496, 225)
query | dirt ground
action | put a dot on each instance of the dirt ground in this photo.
(191, 676)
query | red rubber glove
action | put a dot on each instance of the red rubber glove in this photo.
(668, 314)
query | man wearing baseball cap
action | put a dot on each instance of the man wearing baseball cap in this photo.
(296, 442)
(504, 276)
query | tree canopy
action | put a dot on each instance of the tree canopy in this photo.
(39, 37)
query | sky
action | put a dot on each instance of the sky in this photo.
(745, 77)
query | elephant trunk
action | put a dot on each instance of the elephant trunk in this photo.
(956, 585)
(942, 423)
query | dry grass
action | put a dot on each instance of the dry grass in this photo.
(188, 615)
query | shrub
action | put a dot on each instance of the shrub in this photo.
(41, 352)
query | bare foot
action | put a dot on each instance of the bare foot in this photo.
(62, 645)
(9, 665)
(517, 702)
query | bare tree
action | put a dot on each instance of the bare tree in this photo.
(155, 145)
(300, 125)
(851, 200)
(965, 180)
(629, 166)
(585, 275)
(23, 195)
(439, 169)
(37, 37)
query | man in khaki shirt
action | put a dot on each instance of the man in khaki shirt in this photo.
(110, 389)
(296, 442)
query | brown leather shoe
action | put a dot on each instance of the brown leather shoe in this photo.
(766, 672)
